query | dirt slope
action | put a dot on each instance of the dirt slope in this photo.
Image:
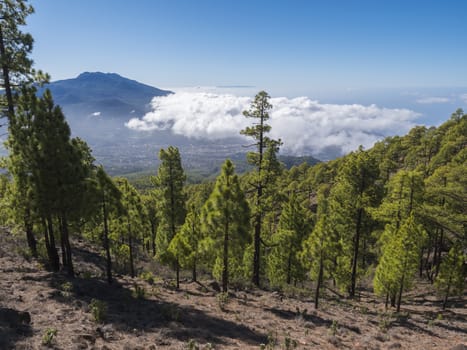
(33, 301)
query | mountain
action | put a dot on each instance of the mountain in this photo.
(97, 105)
(107, 95)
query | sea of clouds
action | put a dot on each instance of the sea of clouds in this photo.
(305, 126)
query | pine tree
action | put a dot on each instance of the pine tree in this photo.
(403, 201)
(321, 248)
(151, 211)
(109, 199)
(19, 163)
(265, 161)
(50, 171)
(451, 277)
(399, 260)
(15, 49)
(169, 195)
(284, 264)
(58, 172)
(186, 243)
(226, 223)
(132, 221)
(351, 200)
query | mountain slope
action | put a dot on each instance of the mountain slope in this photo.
(107, 95)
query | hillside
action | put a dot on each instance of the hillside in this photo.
(109, 94)
(35, 302)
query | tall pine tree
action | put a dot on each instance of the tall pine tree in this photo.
(265, 169)
(170, 197)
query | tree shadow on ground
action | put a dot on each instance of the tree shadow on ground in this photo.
(128, 313)
(317, 320)
(406, 323)
(446, 314)
(14, 326)
(86, 256)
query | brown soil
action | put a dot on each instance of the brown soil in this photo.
(194, 317)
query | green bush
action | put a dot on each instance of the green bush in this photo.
(222, 300)
(147, 276)
(48, 337)
(139, 292)
(98, 310)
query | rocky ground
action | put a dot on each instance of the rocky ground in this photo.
(40, 310)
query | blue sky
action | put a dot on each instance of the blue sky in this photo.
(345, 51)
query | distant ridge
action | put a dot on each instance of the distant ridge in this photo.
(109, 94)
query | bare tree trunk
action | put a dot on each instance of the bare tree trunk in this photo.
(32, 244)
(177, 272)
(355, 253)
(62, 243)
(289, 266)
(130, 244)
(320, 279)
(225, 268)
(257, 248)
(69, 260)
(52, 251)
(446, 296)
(193, 271)
(106, 244)
(6, 77)
(153, 238)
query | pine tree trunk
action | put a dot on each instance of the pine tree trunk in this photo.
(225, 267)
(401, 288)
(52, 252)
(393, 299)
(355, 253)
(62, 243)
(446, 296)
(320, 279)
(46, 238)
(106, 244)
(399, 298)
(364, 254)
(420, 264)
(32, 244)
(177, 272)
(130, 245)
(427, 264)
(289, 266)
(153, 238)
(69, 260)
(193, 271)
(6, 77)
(256, 253)
(440, 249)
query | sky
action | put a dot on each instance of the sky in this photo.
(290, 45)
(379, 56)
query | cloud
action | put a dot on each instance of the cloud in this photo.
(433, 100)
(96, 114)
(463, 97)
(305, 126)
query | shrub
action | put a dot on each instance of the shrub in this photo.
(222, 300)
(139, 292)
(48, 337)
(98, 310)
(147, 276)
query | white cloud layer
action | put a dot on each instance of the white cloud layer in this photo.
(433, 100)
(304, 125)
